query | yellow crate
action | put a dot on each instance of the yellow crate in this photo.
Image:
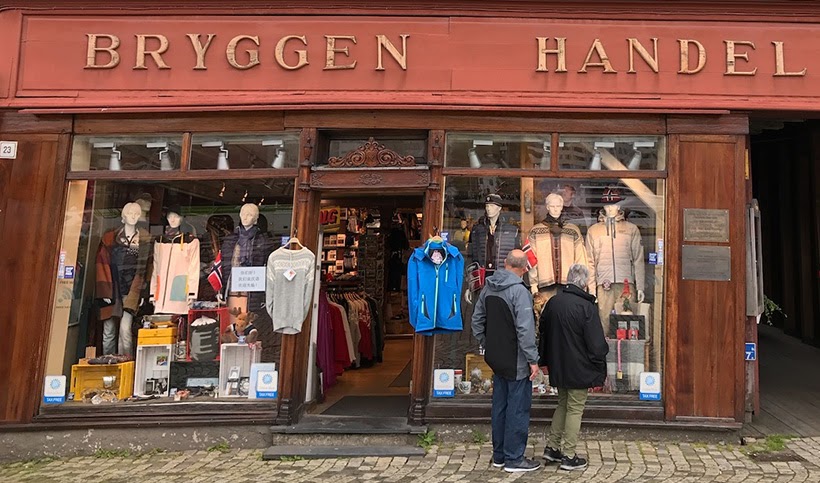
(90, 376)
(163, 336)
(473, 361)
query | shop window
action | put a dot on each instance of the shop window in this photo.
(222, 151)
(126, 153)
(136, 255)
(611, 153)
(627, 273)
(481, 150)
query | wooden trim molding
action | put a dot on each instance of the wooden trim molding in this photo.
(372, 154)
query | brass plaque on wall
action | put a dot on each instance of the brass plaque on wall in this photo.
(705, 225)
(706, 263)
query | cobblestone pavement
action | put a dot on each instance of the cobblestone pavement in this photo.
(610, 461)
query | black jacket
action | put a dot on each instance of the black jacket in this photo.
(572, 340)
(506, 239)
(503, 321)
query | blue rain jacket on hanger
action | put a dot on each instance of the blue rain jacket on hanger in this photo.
(434, 291)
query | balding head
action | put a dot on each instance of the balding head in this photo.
(516, 262)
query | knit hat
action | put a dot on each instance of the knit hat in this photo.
(493, 199)
(174, 208)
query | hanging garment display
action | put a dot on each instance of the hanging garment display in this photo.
(435, 274)
(289, 288)
(176, 273)
(557, 246)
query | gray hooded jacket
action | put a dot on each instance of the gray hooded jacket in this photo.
(504, 323)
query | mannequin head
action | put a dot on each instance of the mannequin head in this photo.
(611, 211)
(555, 205)
(131, 214)
(464, 224)
(492, 206)
(145, 201)
(249, 215)
(568, 194)
(174, 216)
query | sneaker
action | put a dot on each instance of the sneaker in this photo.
(497, 464)
(553, 455)
(524, 465)
(574, 463)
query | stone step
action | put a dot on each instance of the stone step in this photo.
(344, 451)
(347, 430)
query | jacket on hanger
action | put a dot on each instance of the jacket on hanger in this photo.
(434, 291)
(176, 272)
(122, 271)
(615, 252)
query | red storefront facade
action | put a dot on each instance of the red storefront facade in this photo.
(568, 74)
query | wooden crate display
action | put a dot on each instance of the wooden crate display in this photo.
(153, 363)
(90, 376)
(237, 358)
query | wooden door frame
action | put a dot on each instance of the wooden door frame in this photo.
(314, 181)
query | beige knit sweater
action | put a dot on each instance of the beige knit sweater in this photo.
(572, 251)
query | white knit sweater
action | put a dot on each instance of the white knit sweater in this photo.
(288, 301)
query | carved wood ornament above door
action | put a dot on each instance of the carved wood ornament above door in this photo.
(372, 154)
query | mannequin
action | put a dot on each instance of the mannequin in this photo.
(615, 255)
(461, 236)
(491, 239)
(556, 245)
(175, 281)
(248, 246)
(121, 272)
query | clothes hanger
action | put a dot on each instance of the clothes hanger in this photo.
(294, 239)
(436, 238)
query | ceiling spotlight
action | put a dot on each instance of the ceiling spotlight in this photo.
(545, 157)
(114, 160)
(635, 162)
(595, 164)
(222, 157)
(164, 155)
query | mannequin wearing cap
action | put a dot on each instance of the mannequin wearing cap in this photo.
(556, 245)
(121, 273)
(248, 246)
(491, 239)
(175, 281)
(615, 256)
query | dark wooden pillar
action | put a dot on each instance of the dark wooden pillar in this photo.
(32, 196)
(704, 376)
(423, 345)
(295, 348)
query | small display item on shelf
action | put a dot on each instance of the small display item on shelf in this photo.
(161, 336)
(340, 240)
(202, 336)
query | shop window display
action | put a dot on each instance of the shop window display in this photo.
(499, 151)
(611, 153)
(229, 151)
(126, 153)
(145, 295)
(613, 226)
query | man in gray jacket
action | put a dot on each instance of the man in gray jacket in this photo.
(504, 323)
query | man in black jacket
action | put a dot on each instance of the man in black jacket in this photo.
(573, 350)
(504, 323)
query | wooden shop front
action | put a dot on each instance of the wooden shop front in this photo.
(521, 99)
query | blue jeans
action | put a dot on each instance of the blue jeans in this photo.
(511, 418)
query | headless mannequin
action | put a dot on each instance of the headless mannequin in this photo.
(124, 344)
(492, 212)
